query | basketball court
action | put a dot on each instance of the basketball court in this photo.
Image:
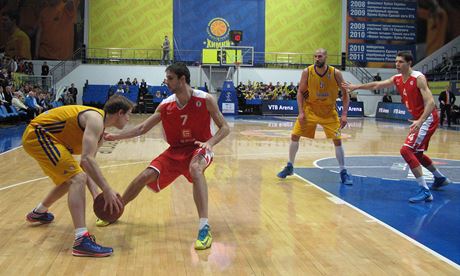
(307, 224)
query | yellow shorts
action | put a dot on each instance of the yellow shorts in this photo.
(54, 158)
(330, 124)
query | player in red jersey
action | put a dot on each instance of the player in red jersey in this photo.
(415, 94)
(186, 117)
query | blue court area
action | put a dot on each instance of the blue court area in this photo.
(10, 137)
(381, 188)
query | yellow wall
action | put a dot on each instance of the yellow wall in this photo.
(302, 26)
(129, 23)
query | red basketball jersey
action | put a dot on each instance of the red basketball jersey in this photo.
(183, 126)
(410, 93)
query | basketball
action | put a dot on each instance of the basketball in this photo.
(98, 207)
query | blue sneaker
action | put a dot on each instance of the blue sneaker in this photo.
(440, 182)
(86, 246)
(43, 218)
(288, 170)
(422, 195)
(345, 178)
(204, 239)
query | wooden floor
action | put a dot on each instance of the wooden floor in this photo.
(260, 225)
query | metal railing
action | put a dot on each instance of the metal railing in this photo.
(194, 57)
(63, 68)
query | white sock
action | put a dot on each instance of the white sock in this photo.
(80, 232)
(41, 208)
(203, 222)
(421, 182)
(437, 173)
(293, 148)
(340, 155)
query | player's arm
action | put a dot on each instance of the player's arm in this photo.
(94, 125)
(375, 85)
(138, 130)
(345, 97)
(303, 88)
(219, 120)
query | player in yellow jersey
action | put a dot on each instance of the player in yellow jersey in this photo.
(51, 139)
(316, 99)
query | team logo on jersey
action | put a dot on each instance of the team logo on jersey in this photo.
(411, 136)
(198, 104)
(321, 84)
(411, 82)
(186, 133)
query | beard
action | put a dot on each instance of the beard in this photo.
(320, 64)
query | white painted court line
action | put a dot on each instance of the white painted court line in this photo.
(10, 150)
(40, 178)
(432, 252)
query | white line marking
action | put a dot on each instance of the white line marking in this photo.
(434, 253)
(10, 150)
(40, 178)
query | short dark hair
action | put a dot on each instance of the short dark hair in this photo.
(407, 56)
(180, 69)
(117, 103)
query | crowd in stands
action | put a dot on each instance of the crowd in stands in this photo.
(259, 90)
(22, 101)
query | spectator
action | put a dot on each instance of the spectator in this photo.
(387, 98)
(446, 100)
(135, 82)
(377, 78)
(121, 82)
(18, 103)
(128, 81)
(45, 72)
(73, 92)
(120, 89)
(166, 47)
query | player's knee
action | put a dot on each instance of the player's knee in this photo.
(196, 170)
(295, 138)
(424, 160)
(337, 142)
(409, 156)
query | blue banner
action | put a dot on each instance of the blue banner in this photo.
(395, 111)
(207, 24)
(406, 10)
(381, 31)
(282, 107)
(285, 107)
(355, 109)
(362, 52)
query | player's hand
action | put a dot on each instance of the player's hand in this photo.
(415, 126)
(348, 86)
(112, 202)
(109, 136)
(204, 145)
(343, 121)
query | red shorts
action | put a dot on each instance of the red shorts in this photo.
(418, 141)
(174, 162)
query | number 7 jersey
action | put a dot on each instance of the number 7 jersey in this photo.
(183, 126)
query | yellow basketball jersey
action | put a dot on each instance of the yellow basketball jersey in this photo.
(62, 125)
(323, 89)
